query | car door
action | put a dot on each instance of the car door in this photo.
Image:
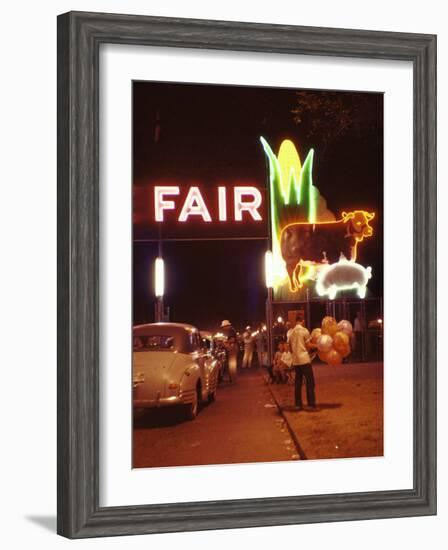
(201, 356)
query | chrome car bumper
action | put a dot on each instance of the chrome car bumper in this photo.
(183, 399)
(161, 402)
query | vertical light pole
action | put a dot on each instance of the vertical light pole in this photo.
(308, 310)
(159, 288)
(269, 277)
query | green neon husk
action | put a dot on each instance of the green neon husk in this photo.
(302, 194)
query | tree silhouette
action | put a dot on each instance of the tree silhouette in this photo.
(326, 117)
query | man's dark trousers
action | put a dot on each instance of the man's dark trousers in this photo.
(304, 371)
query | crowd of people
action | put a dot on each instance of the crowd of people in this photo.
(293, 354)
(292, 357)
(242, 350)
(291, 362)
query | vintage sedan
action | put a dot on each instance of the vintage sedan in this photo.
(171, 366)
(215, 350)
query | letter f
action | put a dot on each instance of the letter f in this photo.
(160, 204)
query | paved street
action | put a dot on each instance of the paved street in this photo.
(243, 425)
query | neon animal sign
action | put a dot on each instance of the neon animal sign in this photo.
(245, 198)
(305, 245)
(343, 275)
(306, 236)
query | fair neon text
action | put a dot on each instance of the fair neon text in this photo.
(245, 199)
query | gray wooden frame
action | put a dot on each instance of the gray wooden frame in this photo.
(79, 38)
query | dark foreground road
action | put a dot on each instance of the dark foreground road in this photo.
(243, 425)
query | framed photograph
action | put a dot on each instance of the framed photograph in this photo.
(246, 274)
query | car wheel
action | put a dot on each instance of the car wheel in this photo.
(192, 408)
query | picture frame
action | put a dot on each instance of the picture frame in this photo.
(80, 36)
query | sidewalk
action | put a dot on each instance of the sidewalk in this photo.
(348, 421)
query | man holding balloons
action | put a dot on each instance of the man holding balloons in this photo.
(299, 340)
(332, 342)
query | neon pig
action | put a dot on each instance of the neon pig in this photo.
(246, 199)
(343, 275)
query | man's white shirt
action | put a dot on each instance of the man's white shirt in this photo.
(298, 339)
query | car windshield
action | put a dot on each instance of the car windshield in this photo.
(155, 342)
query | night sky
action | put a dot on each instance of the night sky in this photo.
(185, 134)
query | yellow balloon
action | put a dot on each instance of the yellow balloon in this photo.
(315, 335)
(328, 318)
(329, 326)
(334, 358)
(340, 341)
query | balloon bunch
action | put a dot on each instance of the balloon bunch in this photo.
(332, 340)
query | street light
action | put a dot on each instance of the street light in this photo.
(269, 278)
(159, 278)
(268, 269)
(159, 288)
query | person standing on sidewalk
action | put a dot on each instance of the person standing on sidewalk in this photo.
(248, 341)
(300, 344)
(259, 341)
(231, 347)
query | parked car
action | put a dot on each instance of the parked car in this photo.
(171, 366)
(215, 350)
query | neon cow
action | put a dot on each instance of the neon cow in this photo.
(343, 275)
(307, 247)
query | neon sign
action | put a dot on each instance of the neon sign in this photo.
(305, 247)
(343, 275)
(306, 236)
(247, 206)
(246, 199)
(222, 204)
(194, 205)
(160, 204)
